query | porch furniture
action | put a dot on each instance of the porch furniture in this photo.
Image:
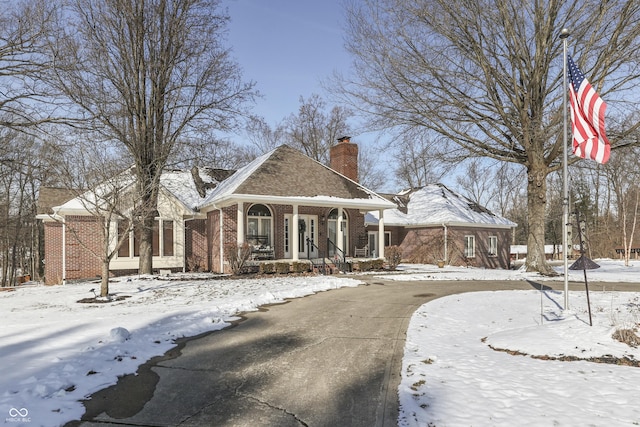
(262, 253)
(260, 248)
(362, 252)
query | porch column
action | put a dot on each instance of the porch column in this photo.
(240, 223)
(340, 232)
(295, 236)
(381, 235)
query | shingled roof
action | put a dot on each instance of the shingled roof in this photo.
(287, 174)
(48, 197)
(436, 204)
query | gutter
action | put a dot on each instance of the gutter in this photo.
(446, 252)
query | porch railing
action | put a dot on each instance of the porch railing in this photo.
(339, 253)
(319, 263)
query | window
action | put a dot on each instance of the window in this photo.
(167, 238)
(155, 239)
(493, 246)
(162, 239)
(469, 246)
(259, 225)
(123, 228)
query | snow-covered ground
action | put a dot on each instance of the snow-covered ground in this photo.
(55, 351)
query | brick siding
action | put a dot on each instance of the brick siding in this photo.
(52, 253)
(196, 244)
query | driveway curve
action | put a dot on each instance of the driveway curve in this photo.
(330, 359)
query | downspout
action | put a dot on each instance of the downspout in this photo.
(64, 252)
(444, 226)
(221, 231)
(64, 245)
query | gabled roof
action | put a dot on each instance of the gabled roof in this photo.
(285, 175)
(189, 187)
(49, 197)
(437, 205)
(179, 184)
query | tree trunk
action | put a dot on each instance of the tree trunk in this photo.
(104, 283)
(148, 210)
(536, 206)
(146, 246)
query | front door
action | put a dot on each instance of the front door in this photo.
(307, 229)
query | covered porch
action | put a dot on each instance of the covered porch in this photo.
(291, 230)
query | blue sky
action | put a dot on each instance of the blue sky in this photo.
(287, 47)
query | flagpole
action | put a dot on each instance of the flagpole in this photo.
(564, 33)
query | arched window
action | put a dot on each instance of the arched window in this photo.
(259, 226)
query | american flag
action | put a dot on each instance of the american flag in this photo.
(587, 117)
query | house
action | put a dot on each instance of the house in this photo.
(285, 205)
(551, 252)
(434, 223)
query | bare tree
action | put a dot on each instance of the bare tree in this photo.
(369, 174)
(313, 130)
(623, 176)
(146, 74)
(105, 187)
(263, 137)
(418, 162)
(509, 183)
(19, 182)
(24, 28)
(477, 182)
(487, 76)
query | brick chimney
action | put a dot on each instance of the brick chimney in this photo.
(344, 158)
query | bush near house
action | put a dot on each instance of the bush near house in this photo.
(267, 268)
(371, 265)
(300, 267)
(237, 256)
(282, 267)
(394, 256)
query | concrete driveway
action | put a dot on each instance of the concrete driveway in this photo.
(330, 359)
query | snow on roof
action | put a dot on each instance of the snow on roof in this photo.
(435, 205)
(181, 184)
(229, 185)
(92, 199)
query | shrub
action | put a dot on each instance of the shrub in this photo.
(237, 256)
(282, 267)
(377, 264)
(394, 256)
(627, 336)
(267, 268)
(300, 267)
(365, 265)
(195, 264)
